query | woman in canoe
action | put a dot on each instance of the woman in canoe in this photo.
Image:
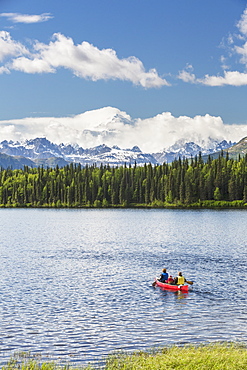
(164, 276)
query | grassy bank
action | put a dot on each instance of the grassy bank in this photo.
(204, 357)
(215, 357)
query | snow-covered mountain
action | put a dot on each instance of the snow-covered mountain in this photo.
(40, 150)
(181, 149)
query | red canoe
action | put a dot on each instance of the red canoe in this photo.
(182, 288)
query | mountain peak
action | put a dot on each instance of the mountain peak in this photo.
(136, 149)
(41, 150)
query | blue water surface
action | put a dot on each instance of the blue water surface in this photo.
(76, 285)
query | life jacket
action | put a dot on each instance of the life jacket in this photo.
(181, 280)
(170, 280)
(164, 277)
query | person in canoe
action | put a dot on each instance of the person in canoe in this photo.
(180, 279)
(170, 280)
(164, 276)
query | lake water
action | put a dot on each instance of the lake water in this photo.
(77, 284)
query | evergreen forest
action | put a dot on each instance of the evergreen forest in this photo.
(220, 182)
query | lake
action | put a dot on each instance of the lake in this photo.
(77, 284)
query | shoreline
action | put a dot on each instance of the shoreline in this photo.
(207, 204)
(215, 356)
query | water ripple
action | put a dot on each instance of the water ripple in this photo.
(77, 284)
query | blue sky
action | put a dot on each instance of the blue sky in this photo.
(62, 58)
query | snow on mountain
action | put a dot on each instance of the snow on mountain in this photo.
(103, 118)
(32, 149)
(112, 156)
(41, 148)
(187, 149)
(116, 156)
(205, 146)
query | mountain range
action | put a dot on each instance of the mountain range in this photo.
(40, 151)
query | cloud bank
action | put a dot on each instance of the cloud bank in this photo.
(110, 126)
(83, 60)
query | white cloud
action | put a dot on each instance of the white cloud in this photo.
(27, 18)
(4, 70)
(230, 78)
(223, 60)
(86, 61)
(35, 65)
(110, 126)
(187, 77)
(243, 52)
(9, 47)
(242, 24)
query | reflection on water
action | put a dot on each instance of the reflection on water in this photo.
(77, 284)
(181, 295)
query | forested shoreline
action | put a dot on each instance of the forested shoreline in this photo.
(220, 182)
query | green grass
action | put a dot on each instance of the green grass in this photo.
(223, 356)
(206, 357)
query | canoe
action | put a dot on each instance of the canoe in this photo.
(182, 288)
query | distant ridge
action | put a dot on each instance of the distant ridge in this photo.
(14, 162)
(238, 149)
(42, 152)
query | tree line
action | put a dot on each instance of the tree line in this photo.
(183, 183)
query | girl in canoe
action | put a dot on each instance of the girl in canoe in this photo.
(170, 280)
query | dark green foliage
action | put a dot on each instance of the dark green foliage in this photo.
(182, 183)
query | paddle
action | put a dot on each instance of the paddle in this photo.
(154, 283)
(189, 282)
